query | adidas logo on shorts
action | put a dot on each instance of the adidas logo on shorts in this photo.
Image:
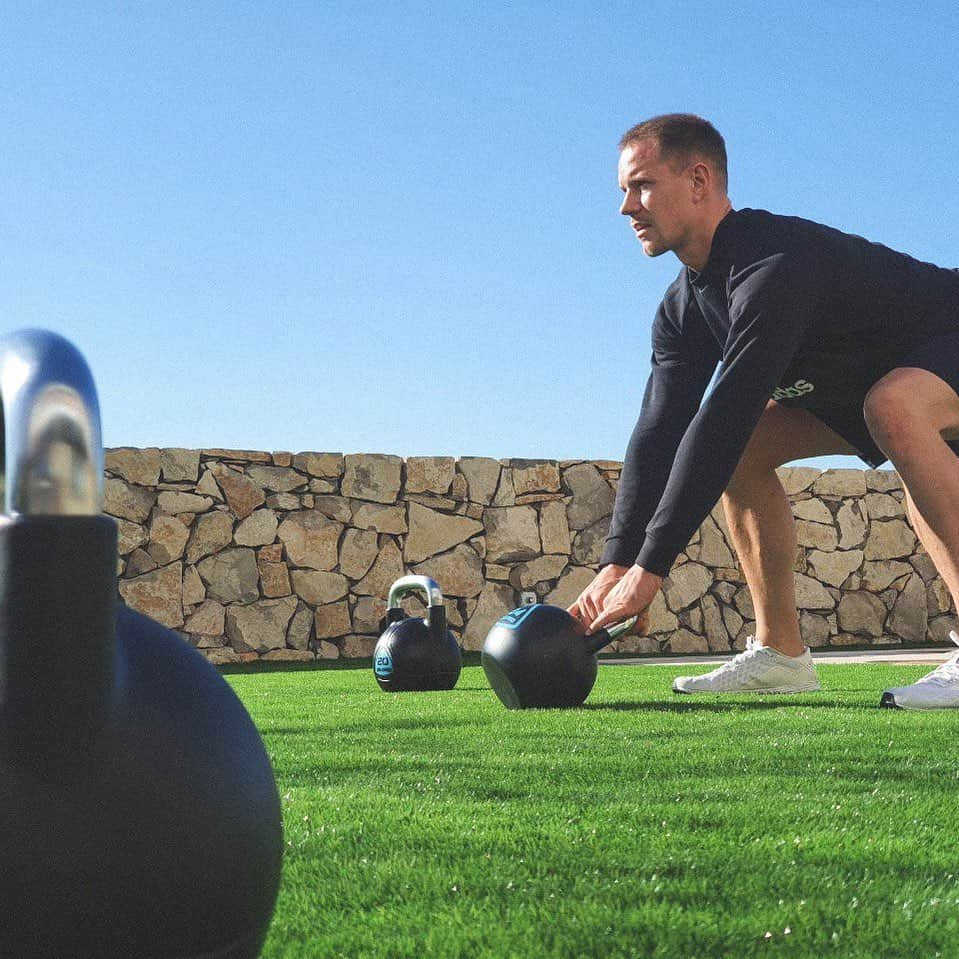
(799, 388)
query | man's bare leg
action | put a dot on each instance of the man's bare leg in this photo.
(939, 553)
(761, 522)
(909, 412)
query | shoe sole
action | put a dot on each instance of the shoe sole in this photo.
(778, 691)
(888, 701)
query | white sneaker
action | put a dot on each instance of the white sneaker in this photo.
(758, 669)
(938, 690)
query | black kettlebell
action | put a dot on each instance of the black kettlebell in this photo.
(140, 816)
(538, 657)
(413, 654)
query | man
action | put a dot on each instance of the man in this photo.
(827, 344)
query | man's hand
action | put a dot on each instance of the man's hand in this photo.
(591, 600)
(631, 596)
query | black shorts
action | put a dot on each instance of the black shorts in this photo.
(939, 355)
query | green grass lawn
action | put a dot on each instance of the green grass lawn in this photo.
(642, 825)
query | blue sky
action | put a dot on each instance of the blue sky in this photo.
(394, 228)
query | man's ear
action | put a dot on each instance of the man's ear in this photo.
(701, 180)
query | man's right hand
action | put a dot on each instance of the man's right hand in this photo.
(590, 602)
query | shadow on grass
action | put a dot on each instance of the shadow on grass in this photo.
(456, 690)
(381, 726)
(319, 666)
(698, 705)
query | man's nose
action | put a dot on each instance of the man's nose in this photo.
(629, 205)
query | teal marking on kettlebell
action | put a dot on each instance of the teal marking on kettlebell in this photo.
(383, 666)
(514, 619)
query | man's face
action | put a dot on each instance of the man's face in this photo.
(657, 200)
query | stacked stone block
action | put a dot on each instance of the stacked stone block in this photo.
(283, 556)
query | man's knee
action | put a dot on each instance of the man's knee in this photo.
(762, 450)
(905, 405)
(885, 412)
(766, 449)
(784, 434)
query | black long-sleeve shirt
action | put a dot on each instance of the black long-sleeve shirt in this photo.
(794, 311)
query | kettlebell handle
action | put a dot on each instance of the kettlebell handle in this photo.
(58, 555)
(52, 449)
(603, 637)
(624, 627)
(415, 584)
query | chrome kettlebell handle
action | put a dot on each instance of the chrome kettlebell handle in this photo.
(415, 584)
(624, 627)
(52, 448)
(603, 637)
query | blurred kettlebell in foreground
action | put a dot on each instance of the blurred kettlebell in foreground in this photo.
(140, 816)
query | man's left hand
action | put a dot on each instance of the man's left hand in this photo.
(629, 597)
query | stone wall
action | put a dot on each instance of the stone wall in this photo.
(290, 556)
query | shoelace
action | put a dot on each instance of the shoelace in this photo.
(752, 648)
(948, 672)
